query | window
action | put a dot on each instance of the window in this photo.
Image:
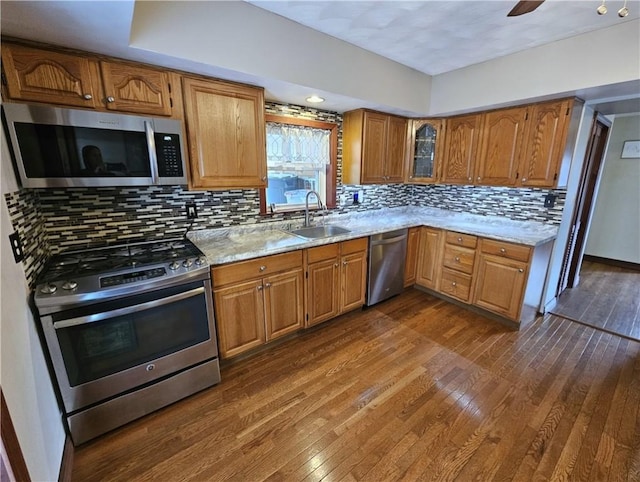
(301, 156)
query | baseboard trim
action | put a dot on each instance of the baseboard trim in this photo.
(66, 466)
(612, 262)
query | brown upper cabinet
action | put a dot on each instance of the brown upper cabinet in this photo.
(373, 147)
(226, 132)
(547, 138)
(53, 77)
(463, 135)
(518, 146)
(425, 149)
(501, 140)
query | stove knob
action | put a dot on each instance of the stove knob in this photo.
(187, 263)
(201, 260)
(48, 289)
(69, 285)
(174, 265)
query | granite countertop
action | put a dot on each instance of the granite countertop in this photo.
(225, 245)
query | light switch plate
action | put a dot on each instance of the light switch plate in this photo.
(16, 247)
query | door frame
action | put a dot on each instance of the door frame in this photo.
(586, 198)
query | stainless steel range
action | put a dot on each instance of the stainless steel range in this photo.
(129, 329)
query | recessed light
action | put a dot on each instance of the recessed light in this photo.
(314, 99)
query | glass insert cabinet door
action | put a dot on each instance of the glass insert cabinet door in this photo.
(426, 138)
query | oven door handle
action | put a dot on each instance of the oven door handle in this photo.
(83, 320)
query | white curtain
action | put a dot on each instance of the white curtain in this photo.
(289, 144)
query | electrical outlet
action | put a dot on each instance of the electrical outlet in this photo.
(16, 247)
(192, 211)
(550, 200)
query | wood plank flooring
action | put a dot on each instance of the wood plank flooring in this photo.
(411, 389)
(608, 297)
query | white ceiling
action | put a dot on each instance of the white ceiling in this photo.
(431, 36)
(437, 36)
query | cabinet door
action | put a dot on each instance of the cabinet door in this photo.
(323, 291)
(461, 149)
(353, 281)
(500, 284)
(410, 265)
(424, 151)
(545, 143)
(51, 77)
(240, 317)
(284, 305)
(429, 257)
(135, 89)
(396, 142)
(373, 147)
(226, 131)
(501, 144)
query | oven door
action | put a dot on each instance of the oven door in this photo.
(108, 348)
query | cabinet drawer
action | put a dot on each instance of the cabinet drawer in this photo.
(354, 246)
(506, 250)
(459, 239)
(255, 268)
(459, 259)
(455, 284)
(321, 253)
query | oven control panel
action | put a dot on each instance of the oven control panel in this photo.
(121, 279)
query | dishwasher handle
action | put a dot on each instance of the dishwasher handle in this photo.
(379, 242)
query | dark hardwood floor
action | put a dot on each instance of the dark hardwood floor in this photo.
(411, 389)
(607, 297)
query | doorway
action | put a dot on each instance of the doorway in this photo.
(572, 259)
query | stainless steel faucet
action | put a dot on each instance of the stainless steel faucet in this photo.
(307, 221)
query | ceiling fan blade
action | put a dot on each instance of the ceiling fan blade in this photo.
(523, 7)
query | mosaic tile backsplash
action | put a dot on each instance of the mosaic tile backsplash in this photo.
(52, 220)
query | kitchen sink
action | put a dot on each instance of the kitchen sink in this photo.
(319, 231)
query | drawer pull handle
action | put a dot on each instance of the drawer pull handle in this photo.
(259, 287)
(502, 250)
(111, 99)
(457, 259)
(459, 240)
(453, 283)
(267, 285)
(520, 270)
(344, 263)
(87, 97)
(337, 264)
(262, 268)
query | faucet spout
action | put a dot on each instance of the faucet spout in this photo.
(307, 221)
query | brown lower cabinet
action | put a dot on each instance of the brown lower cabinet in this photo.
(411, 261)
(257, 301)
(336, 279)
(486, 273)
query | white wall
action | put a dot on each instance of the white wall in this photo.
(25, 380)
(244, 38)
(614, 231)
(602, 57)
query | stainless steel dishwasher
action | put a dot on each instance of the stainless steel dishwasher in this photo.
(387, 252)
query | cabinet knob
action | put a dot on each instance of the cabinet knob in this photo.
(410, 177)
(524, 179)
(87, 97)
(267, 285)
(457, 258)
(111, 99)
(344, 263)
(259, 287)
(262, 268)
(478, 178)
(459, 240)
(520, 270)
(336, 265)
(470, 179)
(264, 178)
(453, 283)
(502, 250)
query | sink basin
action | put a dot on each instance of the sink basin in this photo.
(319, 231)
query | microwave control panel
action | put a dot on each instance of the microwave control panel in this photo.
(169, 157)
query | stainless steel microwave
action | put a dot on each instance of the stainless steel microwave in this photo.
(58, 147)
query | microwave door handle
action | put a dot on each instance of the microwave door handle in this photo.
(83, 320)
(153, 157)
